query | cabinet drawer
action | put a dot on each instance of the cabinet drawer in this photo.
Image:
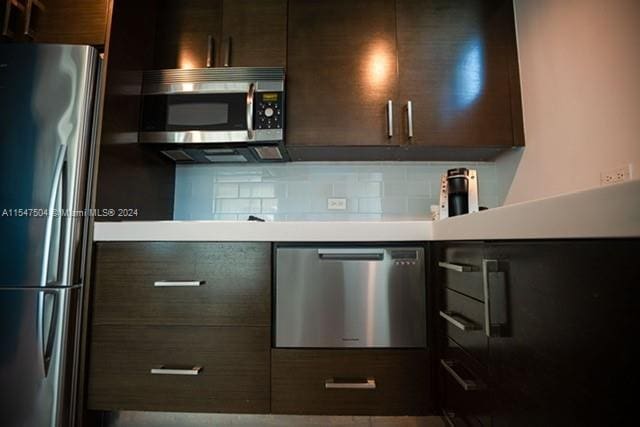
(468, 258)
(223, 284)
(463, 387)
(333, 382)
(463, 319)
(233, 375)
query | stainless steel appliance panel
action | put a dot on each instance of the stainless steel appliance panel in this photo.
(46, 99)
(350, 297)
(36, 330)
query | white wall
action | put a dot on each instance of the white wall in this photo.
(580, 74)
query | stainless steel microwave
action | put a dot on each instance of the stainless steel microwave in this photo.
(215, 115)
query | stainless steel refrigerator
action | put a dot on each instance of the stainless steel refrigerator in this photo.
(47, 104)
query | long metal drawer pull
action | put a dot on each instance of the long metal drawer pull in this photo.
(467, 385)
(172, 371)
(365, 384)
(460, 268)
(456, 320)
(390, 118)
(178, 283)
(352, 254)
(410, 118)
(495, 299)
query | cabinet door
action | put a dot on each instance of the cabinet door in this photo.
(571, 356)
(256, 31)
(73, 22)
(458, 66)
(183, 29)
(341, 70)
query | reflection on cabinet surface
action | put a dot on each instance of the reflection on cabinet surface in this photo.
(459, 68)
(341, 71)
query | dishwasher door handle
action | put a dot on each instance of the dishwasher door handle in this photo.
(351, 254)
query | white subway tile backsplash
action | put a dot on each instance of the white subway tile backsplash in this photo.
(372, 205)
(226, 191)
(237, 205)
(299, 191)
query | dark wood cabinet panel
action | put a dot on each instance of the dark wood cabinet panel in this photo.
(73, 22)
(257, 30)
(234, 364)
(571, 357)
(341, 70)
(251, 33)
(182, 32)
(566, 355)
(456, 67)
(130, 176)
(236, 289)
(299, 376)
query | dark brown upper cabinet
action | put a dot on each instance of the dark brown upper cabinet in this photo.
(254, 33)
(449, 69)
(458, 68)
(341, 72)
(235, 33)
(69, 21)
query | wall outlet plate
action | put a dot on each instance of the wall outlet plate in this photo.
(337, 204)
(615, 176)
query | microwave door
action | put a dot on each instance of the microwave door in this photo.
(195, 118)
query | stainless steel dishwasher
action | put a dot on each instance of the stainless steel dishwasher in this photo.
(350, 297)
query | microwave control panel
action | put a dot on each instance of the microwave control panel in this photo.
(269, 110)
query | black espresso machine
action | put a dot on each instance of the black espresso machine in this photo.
(458, 192)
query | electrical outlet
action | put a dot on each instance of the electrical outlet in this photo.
(337, 204)
(615, 176)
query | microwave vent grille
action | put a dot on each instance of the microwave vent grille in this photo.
(226, 74)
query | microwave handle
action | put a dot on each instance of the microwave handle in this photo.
(250, 97)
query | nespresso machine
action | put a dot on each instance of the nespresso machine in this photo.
(458, 192)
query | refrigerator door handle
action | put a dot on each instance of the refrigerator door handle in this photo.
(47, 326)
(55, 186)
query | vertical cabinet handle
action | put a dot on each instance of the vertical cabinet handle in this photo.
(250, 98)
(353, 384)
(29, 16)
(495, 298)
(390, 118)
(211, 54)
(410, 118)
(227, 52)
(10, 5)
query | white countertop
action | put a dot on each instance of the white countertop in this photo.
(604, 212)
(250, 231)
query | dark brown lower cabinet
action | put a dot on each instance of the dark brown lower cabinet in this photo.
(350, 382)
(178, 368)
(567, 354)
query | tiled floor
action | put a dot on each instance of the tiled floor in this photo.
(139, 419)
